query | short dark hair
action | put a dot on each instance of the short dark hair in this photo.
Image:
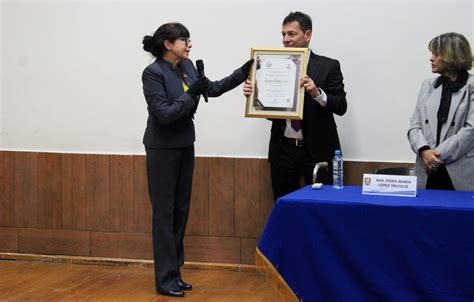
(303, 20)
(168, 31)
(454, 50)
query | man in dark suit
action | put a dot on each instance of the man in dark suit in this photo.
(296, 146)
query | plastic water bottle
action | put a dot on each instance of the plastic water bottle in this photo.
(338, 170)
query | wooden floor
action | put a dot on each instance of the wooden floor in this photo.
(43, 281)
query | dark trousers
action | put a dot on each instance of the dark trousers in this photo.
(440, 180)
(293, 163)
(170, 174)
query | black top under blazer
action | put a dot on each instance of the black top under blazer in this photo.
(170, 109)
(318, 124)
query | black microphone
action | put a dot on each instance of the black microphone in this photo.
(200, 70)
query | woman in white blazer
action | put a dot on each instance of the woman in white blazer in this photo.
(441, 129)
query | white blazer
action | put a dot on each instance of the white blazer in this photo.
(456, 146)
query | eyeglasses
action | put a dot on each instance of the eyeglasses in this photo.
(186, 40)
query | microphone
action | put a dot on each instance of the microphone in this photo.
(320, 165)
(200, 70)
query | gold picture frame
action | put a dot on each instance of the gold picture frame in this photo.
(275, 76)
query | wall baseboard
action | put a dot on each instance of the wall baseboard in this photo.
(123, 262)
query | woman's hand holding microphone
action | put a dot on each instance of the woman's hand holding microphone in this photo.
(199, 87)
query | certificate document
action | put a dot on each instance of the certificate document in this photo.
(276, 81)
(275, 77)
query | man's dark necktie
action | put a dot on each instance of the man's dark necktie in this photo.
(296, 125)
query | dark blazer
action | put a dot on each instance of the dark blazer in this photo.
(318, 125)
(170, 109)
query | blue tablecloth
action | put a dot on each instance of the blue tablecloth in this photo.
(340, 245)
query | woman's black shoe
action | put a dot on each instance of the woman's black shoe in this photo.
(184, 286)
(172, 293)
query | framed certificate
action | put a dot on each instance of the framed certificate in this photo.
(276, 83)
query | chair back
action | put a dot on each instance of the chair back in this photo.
(409, 171)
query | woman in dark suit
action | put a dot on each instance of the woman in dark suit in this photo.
(442, 127)
(172, 90)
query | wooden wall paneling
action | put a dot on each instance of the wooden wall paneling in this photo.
(212, 249)
(97, 192)
(198, 222)
(231, 202)
(49, 191)
(221, 196)
(9, 239)
(7, 188)
(353, 172)
(121, 245)
(121, 215)
(54, 242)
(142, 206)
(249, 246)
(266, 193)
(73, 191)
(247, 197)
(25, 189)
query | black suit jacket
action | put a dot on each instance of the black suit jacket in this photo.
(318, 125)
(170, 109)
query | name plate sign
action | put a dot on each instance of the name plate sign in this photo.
(392, 185)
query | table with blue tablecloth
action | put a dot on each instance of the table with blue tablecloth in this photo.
(341, 245)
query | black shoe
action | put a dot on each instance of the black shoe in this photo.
(184, 286)
(172, 293)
